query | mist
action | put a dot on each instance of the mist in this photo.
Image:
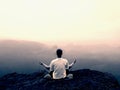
(24, 56)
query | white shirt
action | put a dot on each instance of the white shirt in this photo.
(59, 66)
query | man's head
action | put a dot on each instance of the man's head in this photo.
(59, 53)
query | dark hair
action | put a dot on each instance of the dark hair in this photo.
(59, 52)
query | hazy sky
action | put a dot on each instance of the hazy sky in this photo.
(60, 20)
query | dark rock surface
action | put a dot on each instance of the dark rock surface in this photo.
(84, 79)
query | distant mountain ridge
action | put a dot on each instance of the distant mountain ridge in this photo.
(84, 79)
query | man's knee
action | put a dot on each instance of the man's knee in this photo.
(47, 76)
(70, 76)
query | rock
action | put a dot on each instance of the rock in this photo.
(84, 79)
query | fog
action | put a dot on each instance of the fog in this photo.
(24, 56)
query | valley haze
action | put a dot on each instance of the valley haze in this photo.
(23, 56)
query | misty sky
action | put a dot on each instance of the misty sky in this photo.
(60, 20)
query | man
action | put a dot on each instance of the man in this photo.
(59, 67)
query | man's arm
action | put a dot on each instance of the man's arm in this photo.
(45, 65)
(70, 66)
(51, 68)
(51, 74)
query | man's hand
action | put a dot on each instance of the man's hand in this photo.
(74, 61)
(40, 63)
(70, 66)
(44, 65)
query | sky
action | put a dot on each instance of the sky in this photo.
(60, 20)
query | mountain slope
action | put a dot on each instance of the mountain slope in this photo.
(84, 79)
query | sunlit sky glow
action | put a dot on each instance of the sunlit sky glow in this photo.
(60, 20)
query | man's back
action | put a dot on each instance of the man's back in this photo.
(59, 66)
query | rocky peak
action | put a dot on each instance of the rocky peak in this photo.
(84, 79)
